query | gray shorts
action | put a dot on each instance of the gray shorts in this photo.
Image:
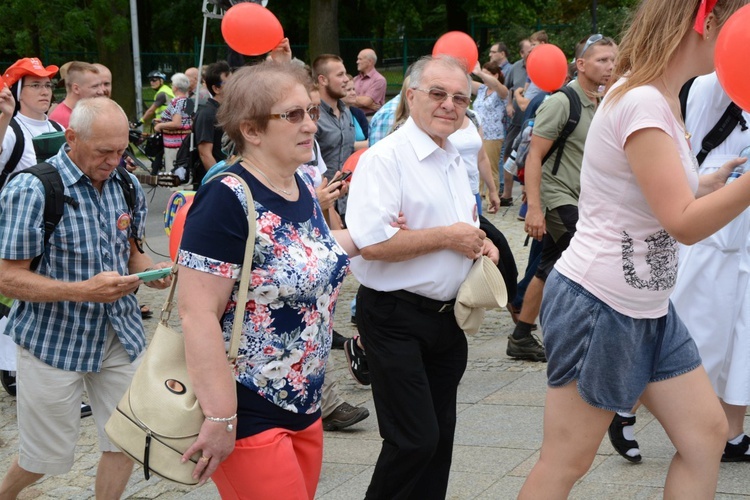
(49, 406)
(611, 356)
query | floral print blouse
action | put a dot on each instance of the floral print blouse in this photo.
(491, 110)
(298, 269)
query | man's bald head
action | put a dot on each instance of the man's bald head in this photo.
(106, 76)
(192, 74)
(366, 60)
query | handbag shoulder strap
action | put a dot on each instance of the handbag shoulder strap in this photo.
(247, 263)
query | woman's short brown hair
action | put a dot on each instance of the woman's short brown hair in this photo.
(251, 92)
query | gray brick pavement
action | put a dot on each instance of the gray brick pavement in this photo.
(501, 403)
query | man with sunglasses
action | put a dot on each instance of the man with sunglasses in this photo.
(162, 97)
(553, 186)
(416, 351)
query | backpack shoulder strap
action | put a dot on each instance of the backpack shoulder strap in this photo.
(127, 185)
(723, 129)
(54, 200)
(16, 153)
(57, 126)
(684, 93)
(574, 116)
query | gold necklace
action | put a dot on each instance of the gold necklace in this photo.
(688, 135)
(288, 193)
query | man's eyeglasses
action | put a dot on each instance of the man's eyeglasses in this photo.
(591, 41)
(438, 95)
(39, 86)
(154, 79)
(296, 115)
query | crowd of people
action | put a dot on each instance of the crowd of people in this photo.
(614, 201)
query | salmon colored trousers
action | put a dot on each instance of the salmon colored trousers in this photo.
(277, 463)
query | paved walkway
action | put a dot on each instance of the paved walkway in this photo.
(501, 403)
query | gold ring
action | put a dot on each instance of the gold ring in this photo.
(205, 458)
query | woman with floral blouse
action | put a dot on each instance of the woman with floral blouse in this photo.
(262, 437)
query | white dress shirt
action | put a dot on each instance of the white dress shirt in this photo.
(407, 172)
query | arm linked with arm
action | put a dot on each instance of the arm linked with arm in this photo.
(202, 299)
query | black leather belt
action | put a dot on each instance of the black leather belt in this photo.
(439, 306)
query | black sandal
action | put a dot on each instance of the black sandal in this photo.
(620, 444)
(146, 312)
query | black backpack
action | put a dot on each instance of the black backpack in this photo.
(723, 128)
(18, 147)
(523, 141)
(55, 197)
(573, 118)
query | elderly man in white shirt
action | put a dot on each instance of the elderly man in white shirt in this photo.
(415, 350)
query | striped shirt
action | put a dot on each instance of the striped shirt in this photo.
(92, 238)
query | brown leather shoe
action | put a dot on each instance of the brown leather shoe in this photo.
(345, 415)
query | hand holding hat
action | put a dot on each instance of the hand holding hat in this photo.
(482, 289)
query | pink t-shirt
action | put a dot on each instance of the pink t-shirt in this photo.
(61, 114)
(620, 252)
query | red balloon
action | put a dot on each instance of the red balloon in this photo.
(732, 68)
(351, 163)
(250, 29)
(459, 45)
(178, 225)
(547, 67)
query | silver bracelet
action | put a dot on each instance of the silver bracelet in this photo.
(221, 420)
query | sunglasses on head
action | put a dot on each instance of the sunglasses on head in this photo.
(439, 95)
(591, 41)
(296, 115)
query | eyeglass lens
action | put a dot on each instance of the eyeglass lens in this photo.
(37, 86)
(297, 115)
(442, 95)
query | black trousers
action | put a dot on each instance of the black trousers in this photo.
(507, 263)
(416, 359)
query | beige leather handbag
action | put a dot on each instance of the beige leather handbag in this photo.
(159, 416)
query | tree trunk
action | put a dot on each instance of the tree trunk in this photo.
(456, 17)
(324, 28)
(118, 57)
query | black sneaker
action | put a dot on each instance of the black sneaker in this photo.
(85, 410)
(506, 202)
(528, 348)
(338, 340)
(627, 448)
(737, 452)
(357, 361)
(345, 415)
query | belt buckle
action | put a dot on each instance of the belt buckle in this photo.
(445, 308)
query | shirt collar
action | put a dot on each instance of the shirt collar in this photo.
(328, 109)
(423, 145)
(69, 171)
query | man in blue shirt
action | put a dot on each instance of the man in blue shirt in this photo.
(76, 319)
